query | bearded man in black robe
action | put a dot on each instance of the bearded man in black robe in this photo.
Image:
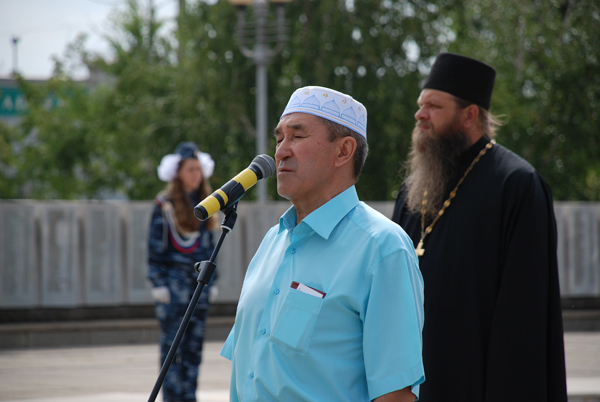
(482, 222)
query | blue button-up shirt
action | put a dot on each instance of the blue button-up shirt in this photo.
(358, 342)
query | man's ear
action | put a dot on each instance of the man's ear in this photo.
(345, 151)
(470, 114)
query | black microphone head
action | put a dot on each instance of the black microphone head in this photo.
(264, 166)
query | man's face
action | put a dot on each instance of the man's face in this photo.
(437, 112)
(438, 140)
(305, 158)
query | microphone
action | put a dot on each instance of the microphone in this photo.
(262, 167)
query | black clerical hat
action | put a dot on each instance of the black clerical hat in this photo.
(463, 77)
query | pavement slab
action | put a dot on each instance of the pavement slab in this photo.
(127, 373)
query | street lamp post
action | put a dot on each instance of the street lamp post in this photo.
(15, 41)
(265, 32)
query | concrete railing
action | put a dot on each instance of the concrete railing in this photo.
(93, 253)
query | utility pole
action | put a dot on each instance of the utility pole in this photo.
(150, 29)
(180, 17)
(263, 32)
(15, 41)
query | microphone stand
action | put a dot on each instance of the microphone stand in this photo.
(205, 271)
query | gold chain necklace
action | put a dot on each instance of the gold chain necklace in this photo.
(424, 232)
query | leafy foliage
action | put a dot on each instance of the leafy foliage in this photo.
(106, 138)
(548, 83)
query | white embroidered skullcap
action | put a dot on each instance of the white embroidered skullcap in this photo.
(331, 105)
(167, 170)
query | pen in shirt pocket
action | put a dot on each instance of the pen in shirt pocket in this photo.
(307, 289)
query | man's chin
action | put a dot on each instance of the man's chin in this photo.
(423, 131)
(423, 134)
(282, 192)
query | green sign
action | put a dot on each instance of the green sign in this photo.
(12, 102)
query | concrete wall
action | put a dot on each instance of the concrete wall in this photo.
(93, 254)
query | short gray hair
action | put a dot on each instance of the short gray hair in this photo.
(336, 131)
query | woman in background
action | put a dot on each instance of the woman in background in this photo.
(176, 242)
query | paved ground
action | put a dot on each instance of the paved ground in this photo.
(99, 374)
(127, 373)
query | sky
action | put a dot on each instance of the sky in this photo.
(44, 28)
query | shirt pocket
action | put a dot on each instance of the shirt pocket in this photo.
(296, 320)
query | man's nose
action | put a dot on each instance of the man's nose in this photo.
(420, 114)
(282, 151)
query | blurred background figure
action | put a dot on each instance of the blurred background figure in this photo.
(176, 242)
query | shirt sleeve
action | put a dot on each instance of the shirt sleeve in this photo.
(227, 350)
(392, 341)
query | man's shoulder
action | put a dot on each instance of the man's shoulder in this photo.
(272, 232)
(509, 162)
(371, 216)
(388, 235)
(513, 173)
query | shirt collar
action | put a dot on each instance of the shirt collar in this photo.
(325, 218)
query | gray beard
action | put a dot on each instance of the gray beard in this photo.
(432, 163)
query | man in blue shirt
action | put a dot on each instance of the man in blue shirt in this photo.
(332, 304)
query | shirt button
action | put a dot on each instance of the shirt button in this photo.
(263, 331)
(276, 291)
(293, 251)
(252, 374)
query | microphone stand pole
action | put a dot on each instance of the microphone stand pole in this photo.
(205, 270)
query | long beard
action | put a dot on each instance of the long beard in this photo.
(432, 164)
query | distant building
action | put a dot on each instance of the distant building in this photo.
(13, 103)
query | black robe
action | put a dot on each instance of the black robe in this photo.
(493, 324)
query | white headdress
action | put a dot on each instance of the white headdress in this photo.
(167, 170)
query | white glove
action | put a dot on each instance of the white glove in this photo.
(161, 294)
(213, 293)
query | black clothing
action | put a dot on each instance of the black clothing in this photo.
(493, 326)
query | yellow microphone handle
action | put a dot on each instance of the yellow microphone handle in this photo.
(247, 178)
(212, 204)
(231, 192)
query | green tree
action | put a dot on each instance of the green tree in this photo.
(548, 83)
(373, 50)
(194, 84)
(8, 183)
